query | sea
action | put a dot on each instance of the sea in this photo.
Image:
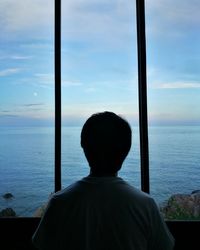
(27, 163)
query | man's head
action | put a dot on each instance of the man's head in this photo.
(106, 141)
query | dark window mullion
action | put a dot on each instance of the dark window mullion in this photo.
(143, 122)
(57, 50)
(142, 89)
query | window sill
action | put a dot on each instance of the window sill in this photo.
(16, 233)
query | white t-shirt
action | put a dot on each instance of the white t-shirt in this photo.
(102, 213)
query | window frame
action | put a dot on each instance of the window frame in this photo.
(57, 84)
(142, 93)
(32, 222)
(21, 229)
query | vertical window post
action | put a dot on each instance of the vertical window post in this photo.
(57, 61)
(142, 88)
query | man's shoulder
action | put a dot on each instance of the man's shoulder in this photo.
(115, 188)
(70, 190)
(135, 194)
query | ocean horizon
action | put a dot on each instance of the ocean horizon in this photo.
(27, 163)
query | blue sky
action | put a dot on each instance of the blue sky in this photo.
(99, 61)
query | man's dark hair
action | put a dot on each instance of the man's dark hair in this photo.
(106, 141)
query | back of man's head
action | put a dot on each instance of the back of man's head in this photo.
(106, 141)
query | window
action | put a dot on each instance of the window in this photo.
(99, 72)
(26, 105)
(174, 88)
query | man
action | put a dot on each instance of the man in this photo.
(102, 211)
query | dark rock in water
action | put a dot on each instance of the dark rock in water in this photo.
(8, 196)
(7, 212)
(196, 192)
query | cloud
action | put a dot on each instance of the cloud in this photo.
(67, 83)
(177, 85)
(179, 10)
(38, 46)
(25, 16)
(32, 110)
(6, 115)
(110, 24)
(19, 57)
(47, 80)
(11, 71)
(171, 18)
(33, 104)
(24, 120)
(103, 19)
(44, 80)
(107, 23)
(15, 57)
(91, 90)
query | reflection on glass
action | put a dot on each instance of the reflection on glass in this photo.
(174, 88)
(98, 73)
(26, 106)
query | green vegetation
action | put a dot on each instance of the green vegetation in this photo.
(174, 210)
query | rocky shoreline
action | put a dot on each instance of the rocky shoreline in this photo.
(10, 212)
(182, 207)
(177, 207)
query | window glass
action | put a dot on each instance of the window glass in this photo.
(173, 100)
(99, 73)
(26, 106)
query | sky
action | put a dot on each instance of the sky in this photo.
(99, 61)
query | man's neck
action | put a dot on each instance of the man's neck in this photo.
(96, 174)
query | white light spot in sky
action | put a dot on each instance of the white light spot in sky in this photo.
(35, 94)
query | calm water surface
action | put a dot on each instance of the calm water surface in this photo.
(27, 163)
